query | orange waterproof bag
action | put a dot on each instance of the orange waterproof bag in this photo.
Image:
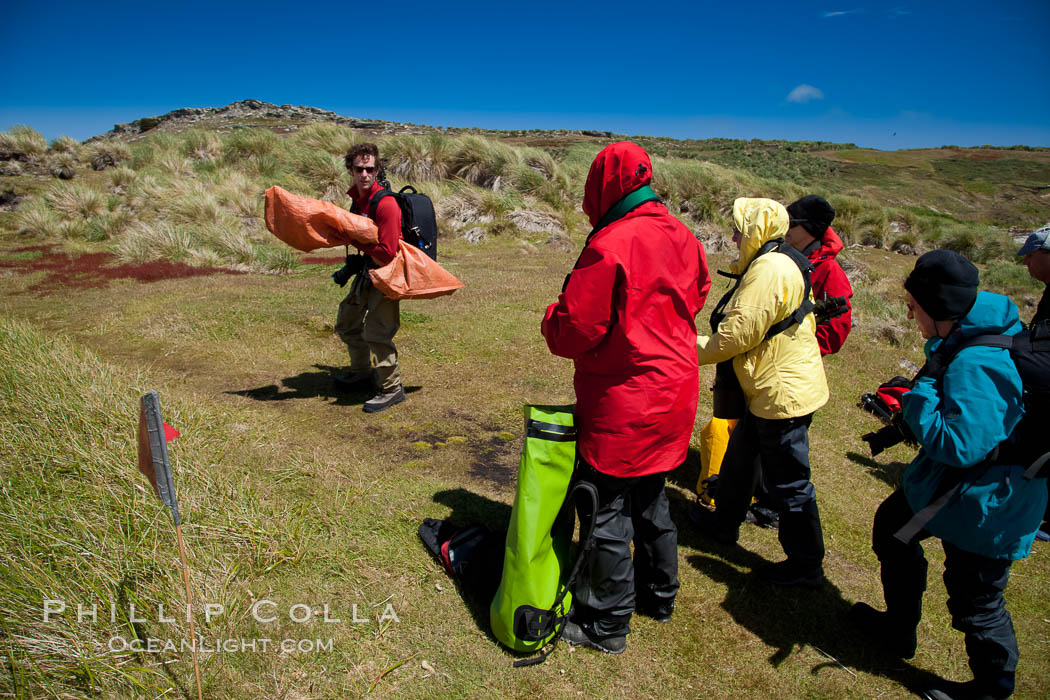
(413, 275)
(714, 439)
(308, 224)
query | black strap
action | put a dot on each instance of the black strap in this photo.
(798, 315)
(918, 522)
(550, 431)
(374, 201)
(557, 614)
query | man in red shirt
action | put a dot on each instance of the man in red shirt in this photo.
(367, 320)
(626, 319)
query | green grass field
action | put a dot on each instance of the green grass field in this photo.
(291, 494)
(150, 269)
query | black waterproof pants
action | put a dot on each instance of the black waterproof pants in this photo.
(610, 585)
(975, 586)
(778, 452)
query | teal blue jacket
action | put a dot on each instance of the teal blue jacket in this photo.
(958, 420)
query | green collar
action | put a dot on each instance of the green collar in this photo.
(619, 210)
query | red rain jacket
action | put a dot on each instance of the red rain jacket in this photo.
(829, 280)
(388, 221)
(626, 318)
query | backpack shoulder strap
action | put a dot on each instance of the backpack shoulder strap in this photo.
(373, 202)
(806, 307)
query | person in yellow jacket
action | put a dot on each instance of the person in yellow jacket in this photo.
(782, 379)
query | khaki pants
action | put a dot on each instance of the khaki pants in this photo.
(367, 322)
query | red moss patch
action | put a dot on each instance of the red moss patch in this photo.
(95, 269)
(318, 260)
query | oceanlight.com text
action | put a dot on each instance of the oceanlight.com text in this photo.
(154, 645)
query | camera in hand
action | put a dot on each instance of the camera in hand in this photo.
(352, 265)
(893, 434)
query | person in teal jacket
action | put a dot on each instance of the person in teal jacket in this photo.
(958, 420)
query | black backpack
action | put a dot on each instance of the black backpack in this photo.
(1030, 351)
(418, 220)
(1027, 445)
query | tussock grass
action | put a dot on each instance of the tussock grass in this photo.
(418, 158)
(331, 138)
(11, 168)
(322, 170)
(157, 240)
(37, 218)
(76, 200)
(106, 154)
(122, 177)
(482, 162)
(62, 166)
(65, 144)
(201, 145)
(23, 139)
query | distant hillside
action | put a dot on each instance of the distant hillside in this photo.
(1007, 187)
(187, 186)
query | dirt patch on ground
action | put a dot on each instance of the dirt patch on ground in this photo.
(65, 271)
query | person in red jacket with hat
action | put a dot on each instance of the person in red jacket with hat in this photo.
(626, 319)
(812, 235)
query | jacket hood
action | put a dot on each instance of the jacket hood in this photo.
(759, 221)
(618, 170)
(991, 313)
(830, 245)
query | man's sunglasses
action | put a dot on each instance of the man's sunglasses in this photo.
(364, 169)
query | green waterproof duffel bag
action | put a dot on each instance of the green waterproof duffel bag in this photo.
(533, 597)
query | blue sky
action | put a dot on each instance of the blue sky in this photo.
(884, 76)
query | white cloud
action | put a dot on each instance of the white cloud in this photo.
(837, 13)
(805, 93)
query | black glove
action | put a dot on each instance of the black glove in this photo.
(830, 308)
(352, 266)
(893, 434)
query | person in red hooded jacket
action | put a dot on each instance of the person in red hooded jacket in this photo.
(626, 319)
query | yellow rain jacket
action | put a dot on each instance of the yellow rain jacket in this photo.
(782, 377)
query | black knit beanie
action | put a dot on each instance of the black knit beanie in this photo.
(944, 283)
(812, 213)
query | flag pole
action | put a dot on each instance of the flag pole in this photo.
(153, 436)
(189, 608)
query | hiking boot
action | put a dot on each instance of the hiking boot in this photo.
(709, 526)
(354, 381)
(384, 400)
(789, 574)
(880, 629)
(576, 635)
(660, 612)
(763, 517)
(970, 690)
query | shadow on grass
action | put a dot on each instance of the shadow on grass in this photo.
(786, 618)
(312, 385)
(688, 472)
(479, 586)
(890, 474)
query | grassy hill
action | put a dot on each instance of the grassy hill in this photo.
(119, 281)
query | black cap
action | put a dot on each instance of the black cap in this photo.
(812, 213)
(944, 283)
